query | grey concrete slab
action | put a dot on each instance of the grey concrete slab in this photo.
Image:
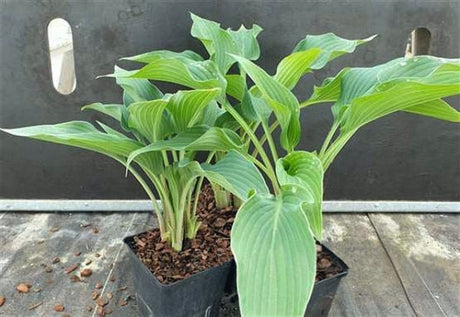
(372, 287)
(28, 242)
(425, 252)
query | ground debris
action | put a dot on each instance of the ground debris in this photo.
(47, 269)
(101, 302)
(77, 253)
(56, 260)
(33, 306)
(98, 285)
(86, 272)
(75, 278)
(71, 268)
(59, 308)
(23, 288)
(54, 229)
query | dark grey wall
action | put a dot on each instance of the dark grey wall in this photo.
(398, 157)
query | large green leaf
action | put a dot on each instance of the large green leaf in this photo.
(331, 47)
(275, 255)
(149, 57)
(305, 170)
(236, 174)
(438, 109)
(84, 135)
(294, 66)
(79, 134)
(246, 41)
(281, 100)
(402, 84)
(236, 86)
(193, 74)
(199, 138)
(146, 117)
(186, 107)
(112, 110)
(219, 43)
(134, 89)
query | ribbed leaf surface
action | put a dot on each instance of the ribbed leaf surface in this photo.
(331, 45)
(237, 175)
(305, 170)
(275, 255)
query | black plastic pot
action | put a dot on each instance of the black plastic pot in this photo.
(199, 295)
(324, 290)
(320, 301)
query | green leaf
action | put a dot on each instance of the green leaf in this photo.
(193, 74)
(135, 90)
(199, 138)
(236, 174)
(368, 94)
(280, 99)
(365, 94)
(295, 65)
(255, 108)
(305, 170)
(112, 110)
(146, 117)
(186, 107)
(438, 109)
(79, 134)
(246, 41)
(236, 86)
(329, 91)
(331, 45)
(149, 57)
(219, 42)
(275, 255)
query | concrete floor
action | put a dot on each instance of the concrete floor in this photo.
(400, 264)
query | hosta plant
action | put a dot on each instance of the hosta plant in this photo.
(234, 121)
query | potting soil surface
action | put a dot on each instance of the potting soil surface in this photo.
(58, 264)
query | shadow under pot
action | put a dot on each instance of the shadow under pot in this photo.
(197, 295)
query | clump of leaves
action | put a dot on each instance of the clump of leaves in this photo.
(273, 238)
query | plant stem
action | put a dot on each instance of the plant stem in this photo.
(264, 137)
(152, 197)
(270, 142)
(329, 137)
(335, 148)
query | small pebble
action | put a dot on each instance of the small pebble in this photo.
(86, 272)
(59, 308)
(23, 288)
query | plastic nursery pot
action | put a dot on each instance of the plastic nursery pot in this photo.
(197, 295)
(322, 295)
(324, 290)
